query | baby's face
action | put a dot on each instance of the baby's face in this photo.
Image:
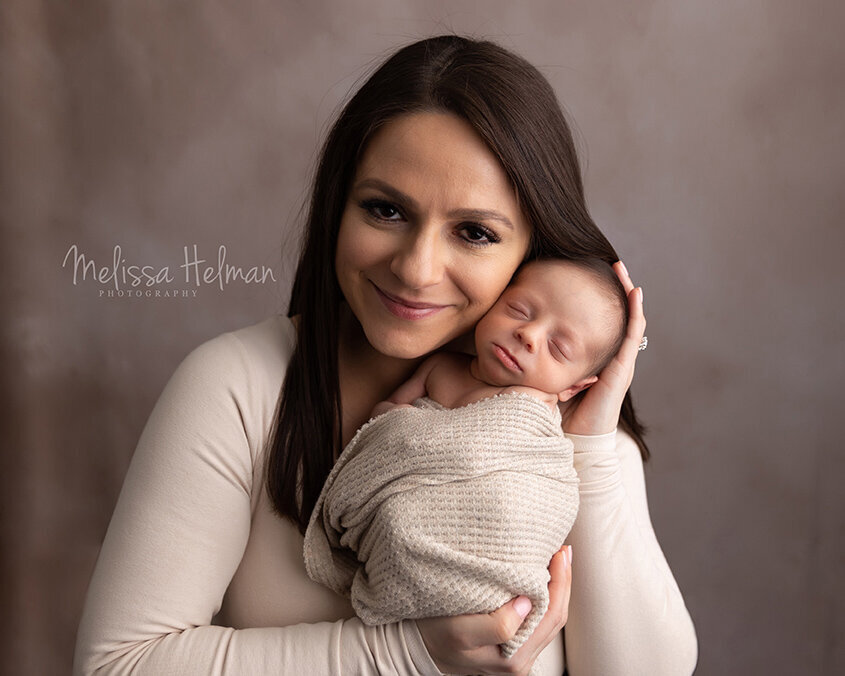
(545, 330)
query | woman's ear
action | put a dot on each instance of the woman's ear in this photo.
(572, 390)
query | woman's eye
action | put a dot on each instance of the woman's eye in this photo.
(478, 234)
(383, 211)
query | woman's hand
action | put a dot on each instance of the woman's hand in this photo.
(469, 644)
(598, 411)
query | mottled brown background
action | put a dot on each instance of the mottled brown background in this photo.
(713, 138)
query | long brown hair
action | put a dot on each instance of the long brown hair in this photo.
(514, 109)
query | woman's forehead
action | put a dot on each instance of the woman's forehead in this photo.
(437, 156)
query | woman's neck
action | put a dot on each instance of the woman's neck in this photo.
(366, 375)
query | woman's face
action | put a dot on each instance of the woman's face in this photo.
(430, 236)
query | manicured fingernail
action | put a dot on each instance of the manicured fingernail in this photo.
(624, 269)
(522, 606)
(569, 553)
(640, 289)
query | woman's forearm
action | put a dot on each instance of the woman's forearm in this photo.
(341, 647)
(626, 615)
(178, 535)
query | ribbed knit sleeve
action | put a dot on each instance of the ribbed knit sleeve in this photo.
(179, 531)
(626, 615)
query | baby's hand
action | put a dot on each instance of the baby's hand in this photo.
(385, 406)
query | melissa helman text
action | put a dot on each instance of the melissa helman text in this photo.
(130, 280)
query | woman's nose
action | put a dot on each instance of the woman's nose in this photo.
(419, 263)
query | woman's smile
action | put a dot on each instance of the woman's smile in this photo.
(407, 309)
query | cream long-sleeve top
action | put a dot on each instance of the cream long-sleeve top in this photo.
(198, 576)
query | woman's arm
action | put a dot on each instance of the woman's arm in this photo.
(626, 614)
(177, 537)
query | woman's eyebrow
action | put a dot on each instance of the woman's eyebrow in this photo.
(393, 193)
(409, 202)
(481, 215)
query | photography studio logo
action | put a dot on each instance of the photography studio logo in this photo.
(127, 279)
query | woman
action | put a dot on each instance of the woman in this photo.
(450, 166)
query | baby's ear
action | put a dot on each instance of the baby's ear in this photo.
(572, 390)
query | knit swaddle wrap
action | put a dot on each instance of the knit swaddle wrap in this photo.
(431, 511)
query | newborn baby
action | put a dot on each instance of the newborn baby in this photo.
(549, 335)
(456, 495)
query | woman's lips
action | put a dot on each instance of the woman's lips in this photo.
(507, 359)
(407, 309)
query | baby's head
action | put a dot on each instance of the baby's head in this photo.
(554, 328)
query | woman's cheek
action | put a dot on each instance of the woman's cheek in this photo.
(490, 282)
(360, 250)
(353, 242)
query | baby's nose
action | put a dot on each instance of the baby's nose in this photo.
(526, 337)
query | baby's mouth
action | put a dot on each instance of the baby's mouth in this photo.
(507, 359)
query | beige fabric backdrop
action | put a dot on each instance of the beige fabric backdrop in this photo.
(712, 133)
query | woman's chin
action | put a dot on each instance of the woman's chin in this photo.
(398, 344)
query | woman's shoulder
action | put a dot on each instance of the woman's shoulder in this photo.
(235, 379)
(268, 344)
(259, 349)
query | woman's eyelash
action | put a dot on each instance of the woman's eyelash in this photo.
(374, 206)
(474, 234)
(478, 229)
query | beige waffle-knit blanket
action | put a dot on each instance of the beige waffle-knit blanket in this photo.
(432, 511)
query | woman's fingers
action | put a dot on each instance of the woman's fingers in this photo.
(636, 318)
(636, 329)
(497, 627)
(622, 272)
(560, 590)
(470, 643)
(627, 355)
